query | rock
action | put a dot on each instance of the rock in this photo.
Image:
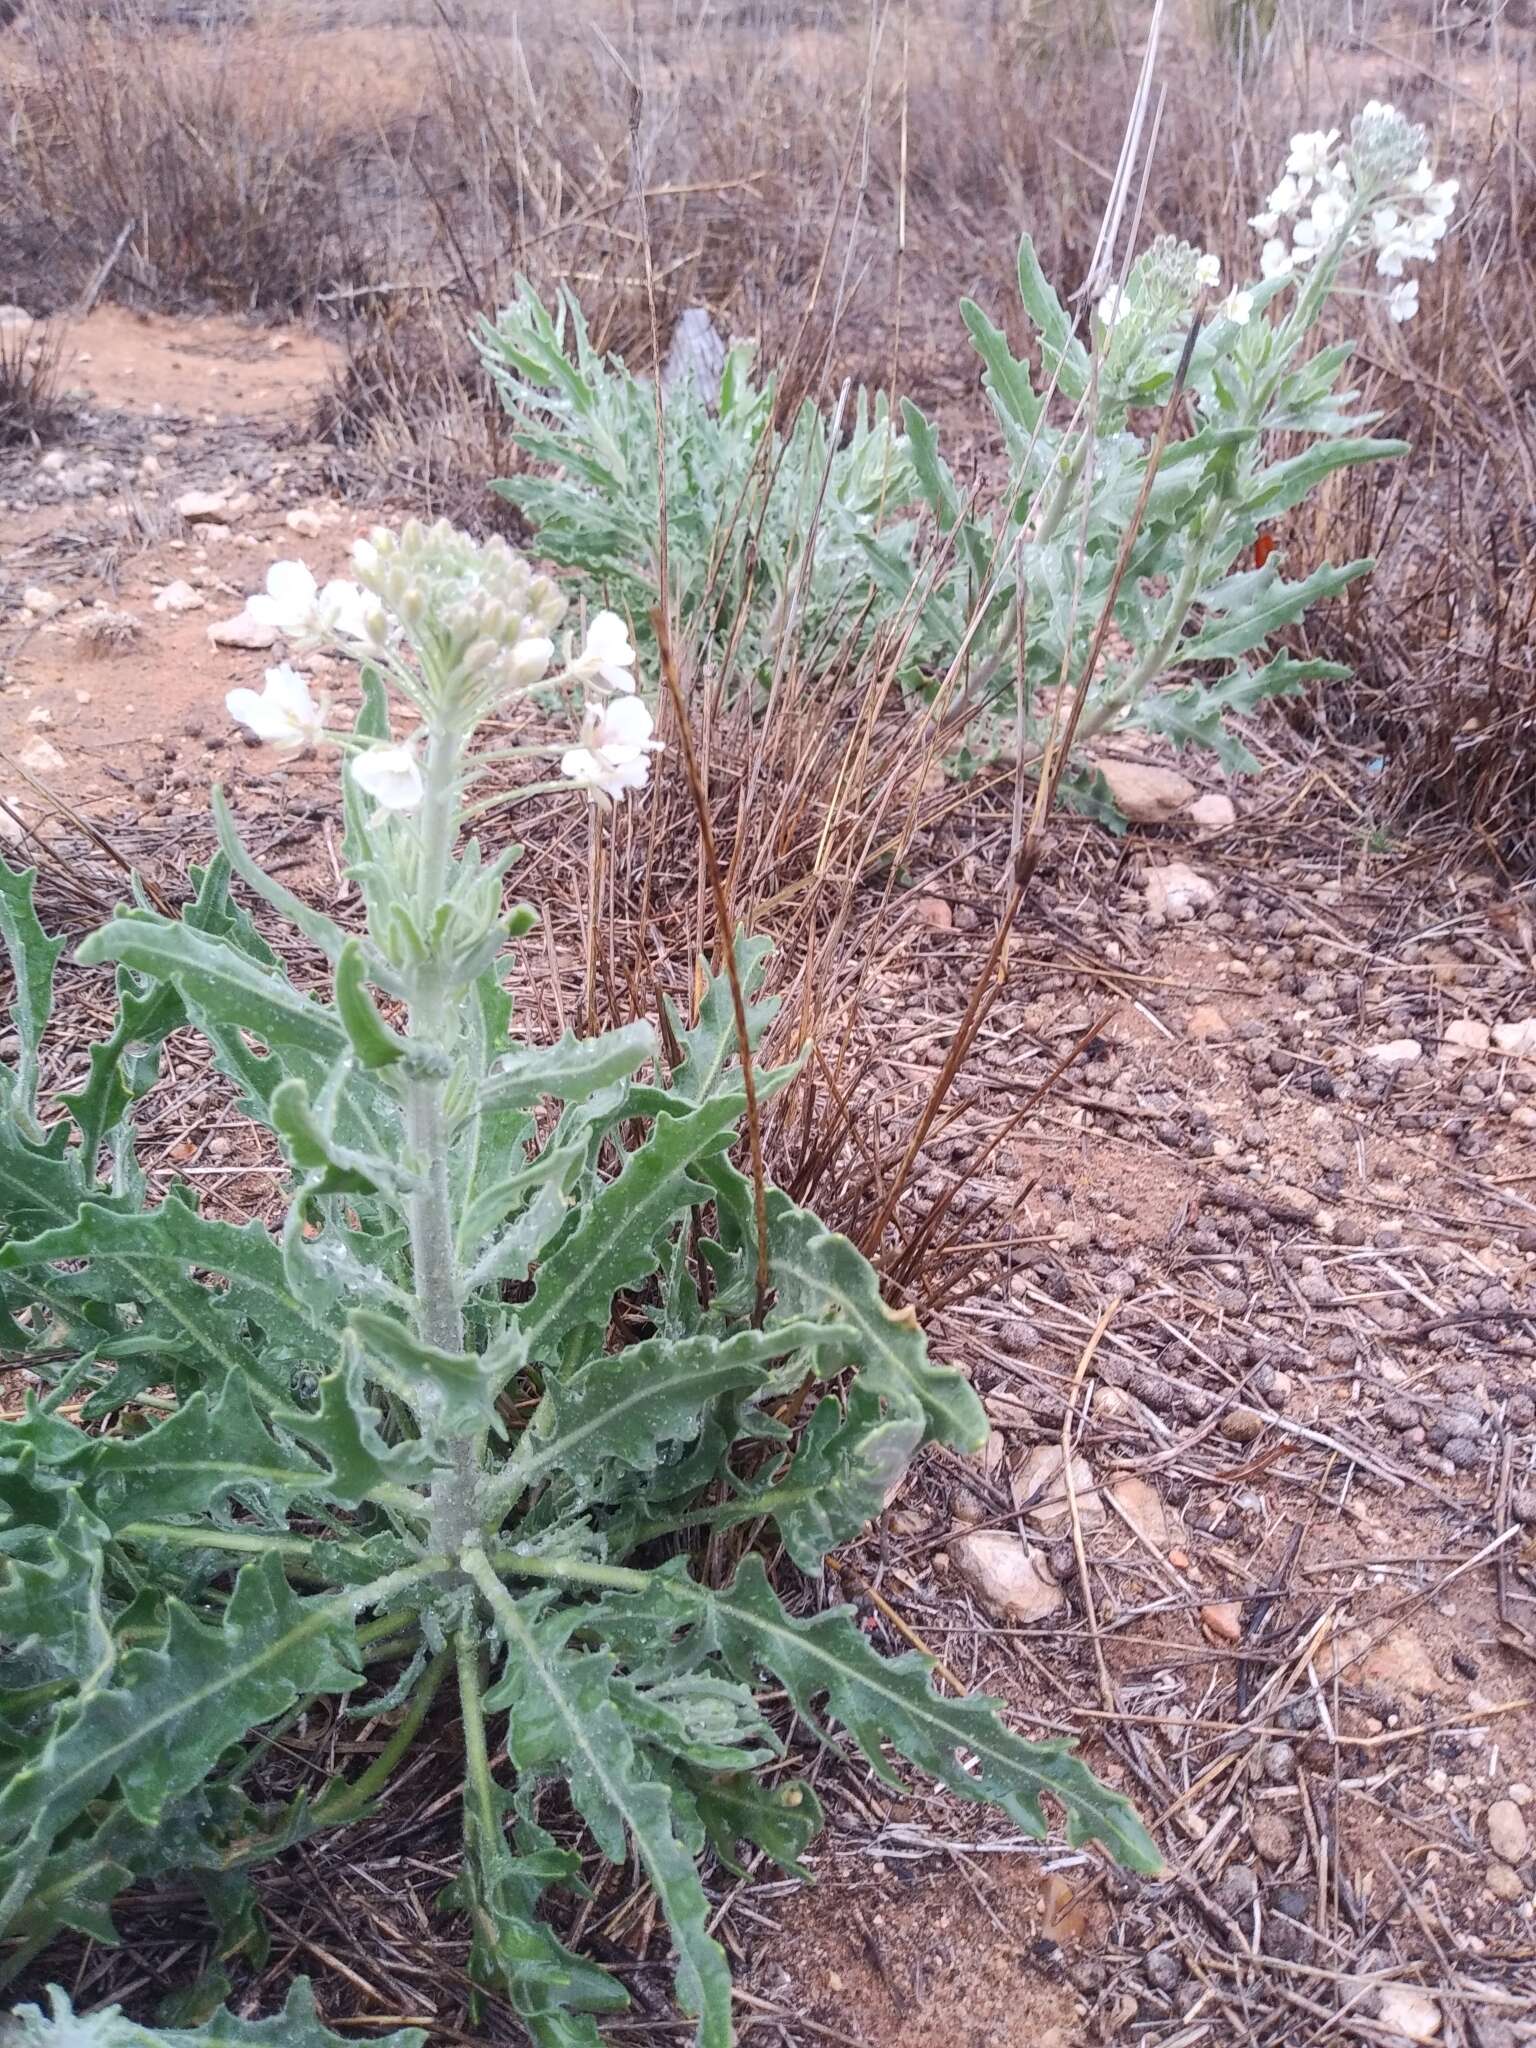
(53, 463)
(39, 715)
(41, 757)
(1042, 1475)
(242, 631)
(1241, 1425)
(936, 913)
(1516, 1040)
(179, 597)
(1003, 1575)
(1406, 2012)
(1206, 1022)
(1143, 1509)
(303, 521)
(1163, 1971)
(1503, 1882)
(195, 505)
(1238, 1888)
(1396, 1052)
(1146, 795)
(16, 320)
(1222, 1620)
(1214, 812)
(1279, 1762)
(1271, 1835)
(1507, 1831)
(1464, 1035)
(43, 604)
(1177, 892)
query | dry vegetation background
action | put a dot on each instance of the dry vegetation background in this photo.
(831, 179)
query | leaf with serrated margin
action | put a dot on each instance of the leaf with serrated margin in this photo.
(296, 2026)
(51, 1567)
(215, 978)
(562, 1714)
(329, 1168)
(1281, 605)
(33, 956)
(193, 1460)
(815, 1273)
(321, 931)
(621, 1410)
(1058, 345)
(613, 1241)
(346, 1430)
(844, 1466)
(782, 1819)
(147, 1258)
(709, 1048)
(568, 1070)
(159, 1727)
(453, 1390)
(883, 1700)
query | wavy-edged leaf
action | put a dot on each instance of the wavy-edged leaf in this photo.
(1281, 604)
(298, 2025)
(329, 1168)
(195, 1459)
(621, 1410)
(848, 1459)
(708, 1048)
(1062, 355)
(880, 1699)
(148, 1258)
(346, 1430)
(817, 1273)
(562, 1714)
(33, 957)
(215, 978)
(160, 1725)
(321, 931)
(568, 1070)
(51, 1565)
(782, 1818)
(451, 1390)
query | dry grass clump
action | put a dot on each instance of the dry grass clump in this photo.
(32, 408)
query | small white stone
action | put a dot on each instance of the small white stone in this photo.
(179, 597)
(53, 462)
(1177, 892)
(41, 757)
(242, 631)
(43, 604)
(195, 505)
(1396, 1052)
(1213, 812)
(303, 521)
(1516, 1040)
(1465, 1035)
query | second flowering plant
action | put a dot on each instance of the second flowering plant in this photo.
(445, 1443)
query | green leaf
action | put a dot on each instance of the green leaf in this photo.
(568, 1070)
(621, 1410)
(1059, 348)
(562, 1714)
(158, 1728)
(880, 1700)
(148, 1259)
(449, 1391)
(782, 1819)
(329, 1168)
(1007, 379)
(371, 1039)
(1281, 605)
(709, 1051)
(321, 931)
(347, 1431)
(817, 1273)
(217, 981)
(845, 1465)
(33, 957)
(296, 2026)
(1285, 484)
(193, 1460)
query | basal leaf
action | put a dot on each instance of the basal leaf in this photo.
(296, 2026)
(33, 956)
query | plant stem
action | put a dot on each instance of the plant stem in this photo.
(573, 1571)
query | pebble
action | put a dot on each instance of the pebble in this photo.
(1206, 1022)
(1465, 1035)
(1213, 812)
(242, 631)
(1507, 1835)
(1279, 1762)
(195, 505)
(1177, 892)
(1272, 1835)
(1396, 1052)
(303, 520)
(1238, 1889)
(43, 604)
(179, 597)
(1222, 1620)
(1412, 2014)
(1241, 1426)
(1004, 1576)
(1144, 794)
(1503, 1882)
(1042, 1475)
(1163, 1970)
(41, 757)
(1516, 1040)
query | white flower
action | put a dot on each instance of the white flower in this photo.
(1208, 271)
(1322, 223)
(1275, 260)
(1441, 198)
(1264, 223)
(606, 654)
(1403, 300)
(1237, 307)
(530, 658)
(298, 608)
(1111, 307)
(615, 748)
(389, 775)
(1419, 181)
(1310, 152)
(1286, 197)
(365, 556)
(1377, 110)
(283, 713)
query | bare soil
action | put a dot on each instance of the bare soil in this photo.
(1312, 1275)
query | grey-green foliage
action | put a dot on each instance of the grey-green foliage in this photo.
(765, 529)
(322, 1503)
(1265, 419)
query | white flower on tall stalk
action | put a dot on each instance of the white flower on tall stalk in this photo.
(1111, 308)
(283, 713)
(1326, 216)
(1275, 259)
(1208, 272)
(390, 775)
(615, 748)
(1237, 307)
(606, 655)
(295, 605)
(1403, 300)
(1309, 155)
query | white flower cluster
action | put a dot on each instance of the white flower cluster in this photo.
(1379, 192)
(502, 640)
(1163, 284)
